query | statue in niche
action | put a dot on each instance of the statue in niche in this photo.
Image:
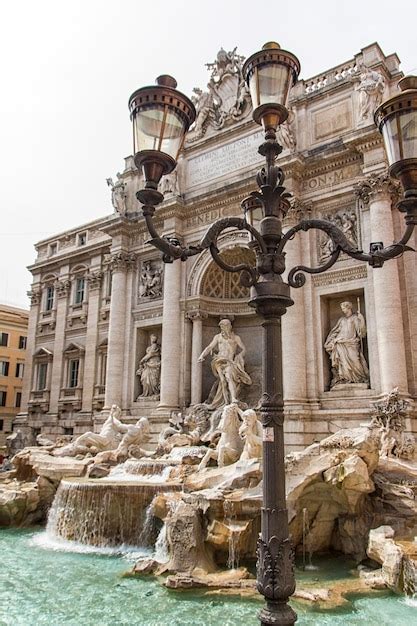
(108, 438)
(371, 90)
(344, 345)
(149, 370)
(228, 366)
(285, 132)
(118, 194)
(150, 281)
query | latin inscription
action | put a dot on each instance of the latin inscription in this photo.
(331, 178)
(224, 160)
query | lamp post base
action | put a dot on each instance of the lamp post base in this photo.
(277, 613)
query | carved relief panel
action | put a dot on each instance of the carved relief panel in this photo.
(150, 282)
(347, 219)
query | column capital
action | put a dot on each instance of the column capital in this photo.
(122, 261)
(35, 295)
(94, 280)
(299, 210)
(62, 288)
(196, 315)
(377, 185)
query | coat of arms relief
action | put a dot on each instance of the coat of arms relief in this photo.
(227, 97)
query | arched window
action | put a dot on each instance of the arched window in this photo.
(223, 285)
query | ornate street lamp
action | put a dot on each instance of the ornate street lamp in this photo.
(161, 117)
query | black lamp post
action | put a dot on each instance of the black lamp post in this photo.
(161, 117)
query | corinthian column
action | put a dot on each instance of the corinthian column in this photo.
(62, 290)
(378, 191)
(94, 279)
(120, 264)
(171, 337)
(197, 347)
(35, 296)
(293, 322)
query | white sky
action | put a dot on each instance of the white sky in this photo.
(68, 68)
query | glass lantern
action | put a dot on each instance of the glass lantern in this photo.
(396, 119)
(161, 116)
(270, 74)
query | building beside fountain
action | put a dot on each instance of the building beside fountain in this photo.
(110, 323)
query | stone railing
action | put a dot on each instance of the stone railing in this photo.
(338, 74)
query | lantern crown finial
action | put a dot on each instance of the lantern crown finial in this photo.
(165, 80)
(271, 45)
(408, 82)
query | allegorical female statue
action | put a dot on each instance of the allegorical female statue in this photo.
(149, 369)
(344, 345)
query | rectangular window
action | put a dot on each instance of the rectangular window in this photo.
(20, 369)
(53, 247)
(42, 372)
(4, 339)
(103, 370)
(18, 399)
(3, 397)
(79, 291)
(4, 368)
(22, 342)
(1, 424)
(74, 366)
(82, 239)
(49, 298)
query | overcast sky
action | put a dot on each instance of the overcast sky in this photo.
(68, 68)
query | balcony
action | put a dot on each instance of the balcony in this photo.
(70, 398)
(39, 400)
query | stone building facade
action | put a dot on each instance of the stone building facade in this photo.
(13, 340)
(101, 290)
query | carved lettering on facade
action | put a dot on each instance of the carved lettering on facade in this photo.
(328, 179)
(228, 158)
(211, 216)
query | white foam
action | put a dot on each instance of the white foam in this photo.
(46, 541)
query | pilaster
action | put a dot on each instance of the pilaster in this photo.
(62, 291)
(94, 279)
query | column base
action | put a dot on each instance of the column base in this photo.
(278, 614)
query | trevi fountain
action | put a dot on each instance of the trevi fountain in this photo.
(108, 528)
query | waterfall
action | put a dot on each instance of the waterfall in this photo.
(235, 530)
(161, 546)
(307, 543)
(100, 513)
(148, 471)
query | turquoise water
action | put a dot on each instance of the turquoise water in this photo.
(40, 585)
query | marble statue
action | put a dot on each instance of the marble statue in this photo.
(169, 184)
(203, 101)
(150, 281)
(118, 195)
(251, 433)
(347, 222)
(285, 132)
(149, 369)
(388, 418)
(228, 366)
(371, 89)
(227, 98)
(108, 438)
(229, 446)
(343, 344)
